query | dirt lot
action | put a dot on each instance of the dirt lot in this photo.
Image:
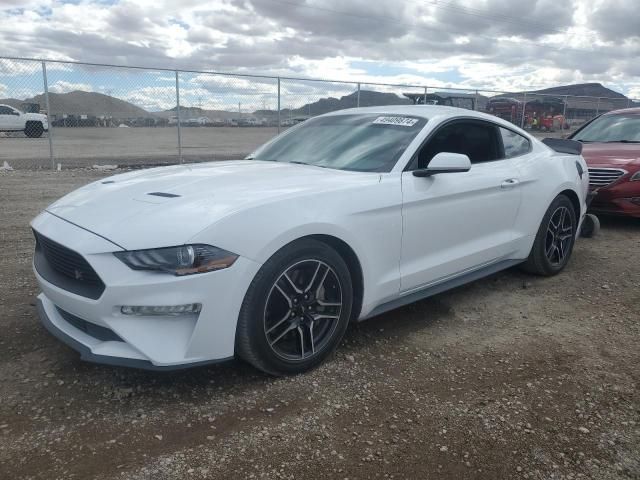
(83, 147)
(509, 377)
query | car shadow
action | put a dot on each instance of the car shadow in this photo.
(627, 224)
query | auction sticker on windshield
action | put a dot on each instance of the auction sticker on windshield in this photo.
(399, 121)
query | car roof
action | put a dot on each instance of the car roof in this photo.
(633, 111)
(436, 112)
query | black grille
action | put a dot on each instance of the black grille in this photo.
(65, 268)
(96, 331)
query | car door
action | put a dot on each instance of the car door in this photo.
(458, 222)
(6, 118)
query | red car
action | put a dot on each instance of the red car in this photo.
(611, 147)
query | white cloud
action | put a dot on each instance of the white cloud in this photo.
(152, 98)
(62, 86)
(475, 43)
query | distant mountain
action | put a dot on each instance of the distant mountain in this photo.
(84, 103)
(368, 98)
(581, 89)
(585, 96)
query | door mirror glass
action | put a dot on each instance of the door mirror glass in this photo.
(445, 162)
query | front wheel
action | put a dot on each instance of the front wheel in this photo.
(554, 241)
(34, 129)
(296, 309)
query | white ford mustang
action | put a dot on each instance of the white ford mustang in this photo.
(340, 218)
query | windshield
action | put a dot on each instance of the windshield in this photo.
(361, 142)
(611, 128)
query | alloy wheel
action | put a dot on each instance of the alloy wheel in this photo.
(303, 310)
(559, 236)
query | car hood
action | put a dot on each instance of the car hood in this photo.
(169, 205)
(611, 154)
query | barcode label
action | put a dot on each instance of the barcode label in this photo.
(399, 121)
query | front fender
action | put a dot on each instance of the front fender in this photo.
(368, 220)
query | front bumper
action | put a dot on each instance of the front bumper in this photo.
(150, 342)
(83, 343)
(617, 199)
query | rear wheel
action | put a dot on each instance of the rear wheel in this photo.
(33, 129)
(296, 310)
(554, 241)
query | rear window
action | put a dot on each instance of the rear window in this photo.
(359, 142)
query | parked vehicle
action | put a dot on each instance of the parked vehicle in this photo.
(612, 151)
(340, 218)
(13, 120)
(543, 114)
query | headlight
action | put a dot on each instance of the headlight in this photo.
(635, 176)
(183, 260)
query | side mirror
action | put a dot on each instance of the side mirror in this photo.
(445, 162)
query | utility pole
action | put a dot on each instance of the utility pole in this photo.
(178, 118)
(49, 117)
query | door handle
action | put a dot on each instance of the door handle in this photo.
(509, 183)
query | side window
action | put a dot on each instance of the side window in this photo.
(514, 143)
(5, 111)
(476, 139)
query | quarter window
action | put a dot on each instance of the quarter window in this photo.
(6, 111)
(514, 143)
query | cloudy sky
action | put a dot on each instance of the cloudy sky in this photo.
(492, 44)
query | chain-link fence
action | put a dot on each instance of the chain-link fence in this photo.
(80, 115)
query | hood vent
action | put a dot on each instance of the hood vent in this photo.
(163, 194)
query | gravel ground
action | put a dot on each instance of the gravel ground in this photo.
(509, 377)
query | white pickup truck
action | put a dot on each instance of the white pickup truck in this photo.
(13, 120)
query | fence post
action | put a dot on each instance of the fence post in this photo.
(358, 96)
(49, 120)
(425, 96)
(178, 117)
(628, 103)
(598, 107)
(564, 114)
(524, 107)
(278, 105)
(475, 101)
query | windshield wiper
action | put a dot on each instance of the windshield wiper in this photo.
(622, 141)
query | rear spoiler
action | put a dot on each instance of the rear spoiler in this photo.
(561, 145)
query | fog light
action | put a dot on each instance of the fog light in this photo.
(161, 310)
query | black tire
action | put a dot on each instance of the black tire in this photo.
(590, 226)
(274, 324)
(553, 244)
(33, 129)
